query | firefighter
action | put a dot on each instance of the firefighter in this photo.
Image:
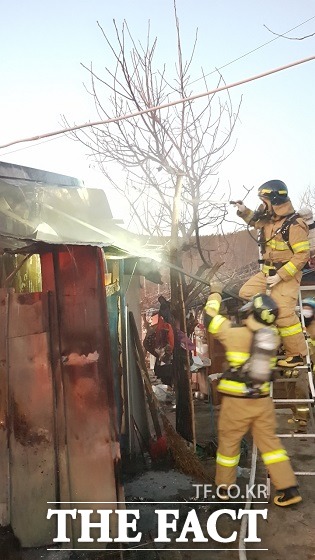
(307, 214)
(301, 411)
(284, 251)
(250, 352)
(308, 311)
(164, 343)
(300, 389)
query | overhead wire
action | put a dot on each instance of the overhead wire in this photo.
(33, 146)
(250, 52)
(159, 107)
(190, 83)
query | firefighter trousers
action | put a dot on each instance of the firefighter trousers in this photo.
(237, 416)
(299, 390)
(285, 294)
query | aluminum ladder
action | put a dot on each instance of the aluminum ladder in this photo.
(308, 401)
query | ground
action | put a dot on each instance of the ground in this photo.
(287, 533)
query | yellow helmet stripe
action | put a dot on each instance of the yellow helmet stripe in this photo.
(268, 191)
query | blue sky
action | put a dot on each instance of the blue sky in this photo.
(43, 44)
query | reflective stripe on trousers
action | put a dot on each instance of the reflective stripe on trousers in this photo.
(276, 456)
(227, 461)
(237, 416)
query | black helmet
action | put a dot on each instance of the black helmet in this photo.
(276, 191)
(262, 307)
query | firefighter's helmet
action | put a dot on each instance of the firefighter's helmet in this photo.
(308, 310)
(262, 307)
(276, 191)
(309, 301)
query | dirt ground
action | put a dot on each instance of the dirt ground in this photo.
(286, 534)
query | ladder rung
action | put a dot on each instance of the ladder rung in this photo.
(281, 368)
(300, 401)
(296, 435)
(286, 380)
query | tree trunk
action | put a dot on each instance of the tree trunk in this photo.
(185, 422)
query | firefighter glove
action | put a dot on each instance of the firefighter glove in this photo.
(240, 206)
(273, 280)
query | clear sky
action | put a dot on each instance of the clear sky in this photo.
(43, 44)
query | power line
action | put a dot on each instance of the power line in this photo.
(158, 107)
(28, 147)
(250, 52)
(190, 83)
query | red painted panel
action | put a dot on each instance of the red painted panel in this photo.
(91, 424)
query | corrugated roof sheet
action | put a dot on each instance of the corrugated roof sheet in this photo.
(39, 207)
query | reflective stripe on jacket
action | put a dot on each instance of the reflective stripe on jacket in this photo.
(289, 331)
(295, 253)
(237, 342)
(238, 389)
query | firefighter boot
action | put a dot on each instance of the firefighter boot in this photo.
(288, 497)
(300, 418)
(291, 362)
(222, 493)
(299, 426)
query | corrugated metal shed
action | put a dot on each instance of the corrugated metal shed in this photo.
(60, 380)
(42, 207)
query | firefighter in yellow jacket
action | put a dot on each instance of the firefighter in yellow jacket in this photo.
(300, 389)
(308, 311)
(284, 251)
(250, 352)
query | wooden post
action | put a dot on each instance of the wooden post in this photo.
(184, 402)
(187, 373)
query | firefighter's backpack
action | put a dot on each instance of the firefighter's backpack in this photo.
(307, 216)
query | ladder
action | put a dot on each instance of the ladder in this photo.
(311, 390)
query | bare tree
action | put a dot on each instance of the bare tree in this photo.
(290, 38)
(170, 157)
(308, 198)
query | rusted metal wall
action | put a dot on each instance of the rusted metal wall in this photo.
(58, 422)
(93, 451)
(28, 473)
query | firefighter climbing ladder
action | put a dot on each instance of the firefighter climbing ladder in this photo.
(307, 401)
